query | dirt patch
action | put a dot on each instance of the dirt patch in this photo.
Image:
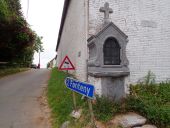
(46, 112)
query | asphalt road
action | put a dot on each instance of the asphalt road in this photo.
(19, 107)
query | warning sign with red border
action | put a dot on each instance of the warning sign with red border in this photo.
(66, 64)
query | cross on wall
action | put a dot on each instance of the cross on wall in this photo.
(106, 11)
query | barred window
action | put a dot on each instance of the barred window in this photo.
(111, 52)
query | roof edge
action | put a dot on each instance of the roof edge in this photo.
(65, 9)
(104, 28)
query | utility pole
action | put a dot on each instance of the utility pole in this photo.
(39, 60)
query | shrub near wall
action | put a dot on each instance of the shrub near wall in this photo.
(152, 101)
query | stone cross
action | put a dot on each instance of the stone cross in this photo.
(106, 11)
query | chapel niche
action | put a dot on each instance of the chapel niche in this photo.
(107, 52)
(111, 52)
(107, 63)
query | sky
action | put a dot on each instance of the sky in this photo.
(44, 17)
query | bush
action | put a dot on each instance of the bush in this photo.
(152, 101)
(9, 71)
(104, 109)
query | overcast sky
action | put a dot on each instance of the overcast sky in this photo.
(44, 16)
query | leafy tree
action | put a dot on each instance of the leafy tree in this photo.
(17, 41)
(4, 10)
(15, 7)
(38, 44)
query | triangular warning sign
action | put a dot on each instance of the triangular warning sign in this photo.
(66, 64)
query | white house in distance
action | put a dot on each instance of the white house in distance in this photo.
(52, 63)
(118, 41)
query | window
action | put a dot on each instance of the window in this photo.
(111, 51)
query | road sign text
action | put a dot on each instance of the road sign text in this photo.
(80, 87)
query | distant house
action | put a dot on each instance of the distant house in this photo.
(53, 62)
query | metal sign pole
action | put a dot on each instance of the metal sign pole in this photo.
(91, 113)
(74, 101)
(90, 102)
(85, 89)
(74, 96)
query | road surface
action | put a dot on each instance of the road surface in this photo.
(19, 105)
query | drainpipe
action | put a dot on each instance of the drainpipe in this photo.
(86, 31)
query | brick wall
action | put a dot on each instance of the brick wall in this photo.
(147, 24)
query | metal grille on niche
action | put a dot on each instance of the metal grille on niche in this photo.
(111, 52)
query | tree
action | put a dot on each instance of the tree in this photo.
(4, 11)
(38, 44)
(17, 41)
(38, 47)
(15, 7)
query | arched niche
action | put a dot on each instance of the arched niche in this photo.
(111, 52)
(107, 53)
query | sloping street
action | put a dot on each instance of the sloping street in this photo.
(19, 105)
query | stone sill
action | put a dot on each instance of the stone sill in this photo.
(109, 74)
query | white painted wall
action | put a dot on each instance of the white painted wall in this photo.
(147, 24)
(54, 62)
(73, 40)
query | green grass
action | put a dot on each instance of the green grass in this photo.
(9, 71)
(60, 98)
(151, 101)
(104, 109)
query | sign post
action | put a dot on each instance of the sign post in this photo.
(74, 101)
(85, 89)
(90, 103)
(67, 65)
(91, 113)
(82, 88)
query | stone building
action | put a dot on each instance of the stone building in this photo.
(118, 42)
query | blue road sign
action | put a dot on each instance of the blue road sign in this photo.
(80, 87)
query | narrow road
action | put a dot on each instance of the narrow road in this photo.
(19, 105)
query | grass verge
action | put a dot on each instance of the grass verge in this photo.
(151, 101)
(60, 99)
(9, 71)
